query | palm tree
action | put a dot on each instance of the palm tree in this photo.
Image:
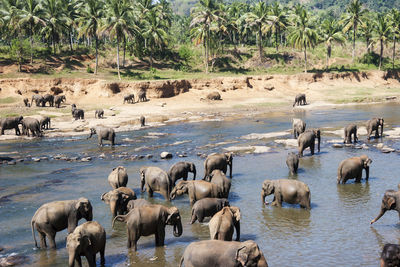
(203, 15)
(54, 18)
(382, 29)
(367, 30)
(90, 20)
(302, 33)
(331, 33)
(278, 20)
(258, 18)
(71, 9)
(30, 16)
(118, 23)
(395, 27)
(352, 19)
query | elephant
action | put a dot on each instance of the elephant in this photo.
(26, 102)
(350, 130)
(31, 124)
(214, 96)
(181, 170)
(292, 161)
(373, 125)
(142, 120)
(39, 100)
(48, 98)
(207, 207)
(299, 126)
(390, 201)
(59, 99)
(142, 96)
(307, 139)
(11, 123)
(118, 177)
(77, 113)
(56, 216)
(352, 168)
(390, 255)
(44, 122)
(196, 190)
(118, 199)
(289, 191)
(103, 133)
(129, 98)
(148, 220)
(223, 253)
(300, 99)
(87, 240)
(218, 161)
(155, 180)
(218, 177)
(222, 223)
(136, 203)
(99, 113)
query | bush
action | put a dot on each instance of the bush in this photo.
(370, 58)
(19, 49)
(185, 53)
(89, 69)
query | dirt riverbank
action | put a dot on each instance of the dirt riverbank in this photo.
(185, 100)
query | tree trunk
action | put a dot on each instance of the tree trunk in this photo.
(31, 42)
(123, 60)
(70, 40)
(276, 40)
(260, 50)
(151, 59)
(368, 48)
(394, 50)
(119, 75)
(381, 54)
(305, 58)
(53, 41)
(354, 43)
(97, 55)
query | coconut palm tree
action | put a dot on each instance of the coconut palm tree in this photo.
(89, 22)
(278, 22)
(258, 19)
(55, 20)
(330, 33)
(302, 34)
(367, 30)
(352, 19)
(382, 29)
(71, 11)
(395, 28)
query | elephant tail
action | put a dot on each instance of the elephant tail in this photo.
(181, 262)
(33, 232)
(120, 218)
(218, 225)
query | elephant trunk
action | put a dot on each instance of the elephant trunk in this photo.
(89, 216)
(237, 226)
(179, 226)
(382, 129)
(319, 143)
(113, 208)
(172, 195)
(262, 262)
(367, 172)
(383, 210)
(230, 169)
(142, 185)
(194, 173)
(71, 259)
(263, 195)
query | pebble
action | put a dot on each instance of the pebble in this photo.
(11, 162)
(44, 158)
(36, 159)
(184, 155)
(166, 155)
(86, 159)
(149, 156)
(140, 157)
(337, 145)
(20, 160)
(57, 157)
(102, 156)
(380, 145)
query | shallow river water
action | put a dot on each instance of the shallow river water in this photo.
(336, 232)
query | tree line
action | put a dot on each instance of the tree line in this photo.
(150, 28)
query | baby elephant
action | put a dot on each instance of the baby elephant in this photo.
(26, 102)
(207, 207)
(118, 177)
(87, 240)
(45, 122)
(350, 130)
(129, 98)
(352, 168)
(142, 120)
(390, 255)
(373, 125)
(77, 113)
(99, 113)
(103, 133)
(390, 201)
(300, 99)
(292, 161)
(285, 190)
(299, 126)
(118, 199)
(222, 223)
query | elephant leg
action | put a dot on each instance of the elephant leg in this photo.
(134, 238)
(193, 219)
(164, 193)
(78, 261)
(42, 240)
(89, 258)
(149, 191)
(312, 147)
(52, 239)
(377, 133)
(277, 200)
(102, 259)
(160, 236)
(301, 149)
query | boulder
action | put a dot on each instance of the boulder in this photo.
(166, 155)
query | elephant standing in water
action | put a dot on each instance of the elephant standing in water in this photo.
(352, 168)
(181, 170)
(207, 207)
(218, 177)
(373, 125)
(300, 99)
(118, 199)
(155, 180)
(219, 161)
(208, 253)
(149, 220)
(390, 255)
(350, 130)
(135, 203)
(56, 216)
(292, 161)
(103, 133)
(307, 139)
(118, 177)
(196, 190)
(87, 240)
(299, 126)
(390, 201)
(11, 123)
(289, 191)
(222, 223)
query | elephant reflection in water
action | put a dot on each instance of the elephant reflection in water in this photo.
(145, 259)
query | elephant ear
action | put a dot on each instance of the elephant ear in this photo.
(242, 255)
(390, 202)
(236, 213)
(171, 212)
(105, 197)
(86, 239)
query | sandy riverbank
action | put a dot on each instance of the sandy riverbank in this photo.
(174, 101)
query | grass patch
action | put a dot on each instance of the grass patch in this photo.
(8, 100)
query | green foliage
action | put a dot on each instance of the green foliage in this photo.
(89, 69)
(370, 58)
(185, 53)
(19, 50)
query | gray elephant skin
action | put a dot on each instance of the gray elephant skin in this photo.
(292, 161)
(142, 96)
(299, 126)
(129, 98)
(196, 190)
(349, 132)
(218, 177)
(289, 191)
(223, 223)
(207, 207)
(149, 220)
(45, 122)
(118, 199)
(118, 177)
(373, 125)
(219, 161)
(103, 133)
(307, 139)
(142, 120)
(11, 123)
(223, 253)
(352, 168)
(136, 203)
(390, 255)
(31, 125)
(77, 113)
(56, 216)
(48, 98)
(155, 180)
(99, 113)
(39, 101)
(300, 99)
(87, 240)
(59, 99)
(390, 201)
(181, 170)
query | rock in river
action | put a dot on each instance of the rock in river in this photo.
(166, 155)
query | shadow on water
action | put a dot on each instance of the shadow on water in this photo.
(354, 193)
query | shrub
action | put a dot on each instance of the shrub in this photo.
(185, 53)
(89, 69)
(370, 58)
